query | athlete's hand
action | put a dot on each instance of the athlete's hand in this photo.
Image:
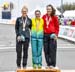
(55, 37)
(19, 38)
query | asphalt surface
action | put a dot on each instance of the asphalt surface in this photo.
(65, 51)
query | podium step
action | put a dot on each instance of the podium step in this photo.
(39, 70)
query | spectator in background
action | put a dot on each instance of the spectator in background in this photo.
(69, 22)
(65, 21)
(73, 22)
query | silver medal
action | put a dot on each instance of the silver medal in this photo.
(23, 29)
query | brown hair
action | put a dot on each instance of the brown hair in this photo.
(53, 10)
(37, 11)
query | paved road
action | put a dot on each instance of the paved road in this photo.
(65, 51)
(7, 35)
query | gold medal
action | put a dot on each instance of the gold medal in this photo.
(37, 25)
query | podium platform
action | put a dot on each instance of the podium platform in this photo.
(39, 70)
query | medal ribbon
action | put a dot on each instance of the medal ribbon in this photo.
(48, 21)
(24, 23)
(37, 25)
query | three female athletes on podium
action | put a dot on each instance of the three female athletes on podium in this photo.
(44, 32)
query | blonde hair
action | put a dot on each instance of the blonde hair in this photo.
(24, 7)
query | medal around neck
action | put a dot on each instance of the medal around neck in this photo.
(23, 29)
(48, 21)
(24, 23)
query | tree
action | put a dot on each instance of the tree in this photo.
(67, 6)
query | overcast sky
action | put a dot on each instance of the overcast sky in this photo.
(36, 2)
(33, 4)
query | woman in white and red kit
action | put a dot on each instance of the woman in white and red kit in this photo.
(51, 30)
